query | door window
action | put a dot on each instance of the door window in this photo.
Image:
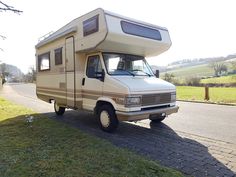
(94, 66)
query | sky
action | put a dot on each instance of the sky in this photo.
(198, 28)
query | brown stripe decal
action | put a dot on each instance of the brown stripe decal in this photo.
(88, 94)
(92, 92)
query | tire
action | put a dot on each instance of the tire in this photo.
(58, 109)
(107, 118)
(158, 118)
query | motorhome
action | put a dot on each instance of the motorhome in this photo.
(97, 63)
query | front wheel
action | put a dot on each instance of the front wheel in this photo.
(107, 118)
(58, 109)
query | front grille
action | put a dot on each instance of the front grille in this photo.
(154, 99)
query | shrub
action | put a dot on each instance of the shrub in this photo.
(193, 81)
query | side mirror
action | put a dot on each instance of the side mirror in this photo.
(100, 75)
(157, 74)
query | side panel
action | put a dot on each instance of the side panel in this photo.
(70, 71)
(92, 88)
(51, 84)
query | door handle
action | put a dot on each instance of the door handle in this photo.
(83, 81)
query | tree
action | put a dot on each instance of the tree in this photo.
(31, 75)
(192, 81)
(3, 38)
(218, 67)
(3, 71)
(233, 65)
(223, 68)
(169, 77)
(6, 7)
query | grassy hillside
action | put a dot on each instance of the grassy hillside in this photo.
(220, 80)
(192, 71)
(33, 145)
(201, 70)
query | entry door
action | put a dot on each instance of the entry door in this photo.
(70, 71)
(92, 87)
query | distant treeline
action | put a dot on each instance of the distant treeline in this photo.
(201, 60)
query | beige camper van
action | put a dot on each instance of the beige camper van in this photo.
(97, 63)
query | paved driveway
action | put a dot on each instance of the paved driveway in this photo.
(199, 140)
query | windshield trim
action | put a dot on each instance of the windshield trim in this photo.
(128, 73)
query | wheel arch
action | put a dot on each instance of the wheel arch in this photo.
(102, 101)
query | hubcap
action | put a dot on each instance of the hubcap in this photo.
(105, 120)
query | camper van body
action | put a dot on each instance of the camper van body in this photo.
(80, 67)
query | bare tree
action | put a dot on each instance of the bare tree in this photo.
(3, 38)
(233, 65)
(6, 7)
(31, 75)
(218, 67)
(3, 72)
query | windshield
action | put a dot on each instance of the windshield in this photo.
(125, 64)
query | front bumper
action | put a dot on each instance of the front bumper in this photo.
(140, 115)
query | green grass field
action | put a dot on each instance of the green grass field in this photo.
(217, 94)
(46, 147)
(220, 80)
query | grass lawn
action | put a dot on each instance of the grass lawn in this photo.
(220, 80)
(217, 94)
(46, 147)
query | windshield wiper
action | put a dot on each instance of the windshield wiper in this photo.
(130, 72)
(143, 72)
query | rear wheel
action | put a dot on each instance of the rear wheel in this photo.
(58, 109)
(158, 118)
(107, 118)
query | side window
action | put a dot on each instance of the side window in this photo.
(58, 56)
(93, 66)
(90, 26)
(142, 31)
(44, 62)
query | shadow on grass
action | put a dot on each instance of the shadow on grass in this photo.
(157, 141)
(34, 145)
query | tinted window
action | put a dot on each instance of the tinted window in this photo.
(44, 62)
(90, 26)
(142, 31)
(58, 56)
(93, 66)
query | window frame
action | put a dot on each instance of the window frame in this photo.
(88, 58)
(115, 53)
(140, 28)
(95, 28)
(58, 50)
(40, 60)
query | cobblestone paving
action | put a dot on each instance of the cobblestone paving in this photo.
(191, 154)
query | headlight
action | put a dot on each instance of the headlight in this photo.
(173, 97)
(132, 101)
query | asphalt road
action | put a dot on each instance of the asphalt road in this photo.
(200, 140)
(207, 120)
